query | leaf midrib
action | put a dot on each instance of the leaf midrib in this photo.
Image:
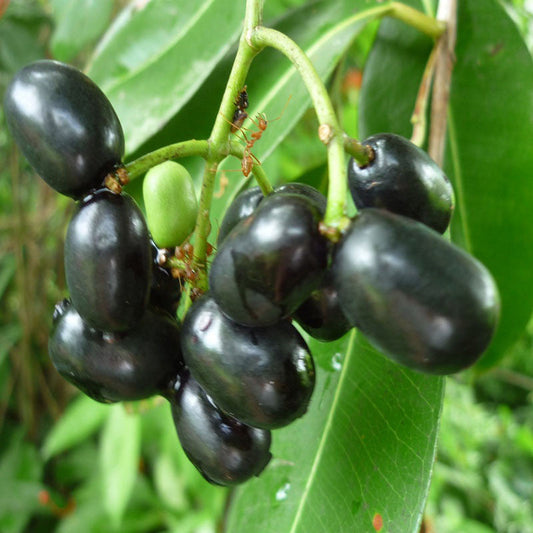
(325, 434)
(154, 58)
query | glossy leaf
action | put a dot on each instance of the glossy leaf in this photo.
(80, 420)
(119, 460)
(77, 24)
(488, 155)
(362, 453)
(157, 54)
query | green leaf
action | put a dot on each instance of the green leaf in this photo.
(79, 421)
(20, 44)
(365, 448)
(77, 24)
(20, 483)
(156, 56)
(119, 461)
(488, 156)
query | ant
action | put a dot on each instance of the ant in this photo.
(240, 115)
(261, 123)
(247, 156)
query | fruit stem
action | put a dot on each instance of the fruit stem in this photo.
(218, 142)
(140, 166)
(428, 25)
(360, 152)
(330, 132)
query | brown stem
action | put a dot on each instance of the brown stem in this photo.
(418, 118)
(447, 12)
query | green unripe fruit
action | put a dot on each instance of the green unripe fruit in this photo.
(170, 202)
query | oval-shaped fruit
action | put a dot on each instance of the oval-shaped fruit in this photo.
(224, 450)
(108, 261)
(246, 202)
(242, 207)
(261, 376)
(165, 291)
(170, 203)
(270, 262)
(305, 190)
(423, 301)
(403, 179)
(321, 315)
(131, 366)
(64, 125)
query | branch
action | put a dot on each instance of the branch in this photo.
(447, 12)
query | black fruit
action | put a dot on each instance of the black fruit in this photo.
(321, 315)
(270, 262)
(131, 366)
(421, 300)
(64, 125)
(305, 190)
(165, 291)
(108, 261)
(242, 207)
(262, 376)
(224, 450)
(403, 179)
(246, 202)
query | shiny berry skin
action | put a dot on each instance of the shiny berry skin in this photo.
(320, 315)
(170, 203)
(263, 376)
(270, 262)
(242, 207)
(246, 202)
(423, 301)
(224, 450)
(403, 179)
(108, 261)
(64, 125)
(112, 368)
(305, 190)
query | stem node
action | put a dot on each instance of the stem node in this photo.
(325, 133)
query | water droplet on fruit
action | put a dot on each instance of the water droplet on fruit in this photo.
(336, 362)
(283, 492)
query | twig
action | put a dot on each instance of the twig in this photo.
(447, 12)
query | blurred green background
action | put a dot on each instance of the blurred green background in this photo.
(68, 464)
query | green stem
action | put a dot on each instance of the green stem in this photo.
(140, 166)
(428, 25)
(360, 152)
(219, 139)
(329, 131)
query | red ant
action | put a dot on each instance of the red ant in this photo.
(247, 156)
(240, 115)
(261, 123)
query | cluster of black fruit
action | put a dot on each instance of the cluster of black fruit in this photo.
(117, 337)
(237, 367)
